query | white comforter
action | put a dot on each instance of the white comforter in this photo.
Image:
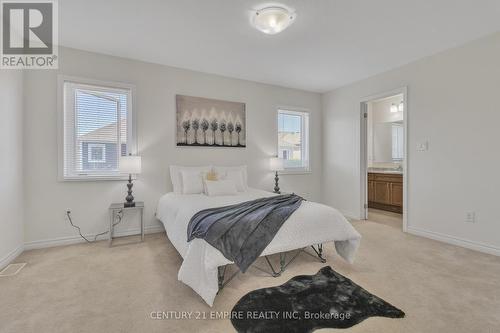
(312, 223)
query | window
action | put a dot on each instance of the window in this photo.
(397, 142)
(96, 152)
(97, 129)
(293, 139)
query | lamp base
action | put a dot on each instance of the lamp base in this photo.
(129, 198)
(276, 186)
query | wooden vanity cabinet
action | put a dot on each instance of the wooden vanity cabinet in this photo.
(385, 192)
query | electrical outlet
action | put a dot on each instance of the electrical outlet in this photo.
(470, 217)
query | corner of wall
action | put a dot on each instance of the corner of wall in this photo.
(11, 141)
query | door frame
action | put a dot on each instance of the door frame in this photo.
(364, 149)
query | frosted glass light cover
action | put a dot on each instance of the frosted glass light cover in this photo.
(272, 20)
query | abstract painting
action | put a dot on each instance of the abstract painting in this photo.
(205, 122)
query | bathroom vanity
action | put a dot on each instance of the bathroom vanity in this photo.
(385, 191)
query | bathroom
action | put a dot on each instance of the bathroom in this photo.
(385, 159)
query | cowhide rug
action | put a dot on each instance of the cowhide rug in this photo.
(309, 302)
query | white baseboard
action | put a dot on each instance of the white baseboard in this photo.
(11, 256)
(455, 241)
(39, 244)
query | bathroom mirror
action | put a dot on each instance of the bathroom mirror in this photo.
(388, 142)
(385, 133)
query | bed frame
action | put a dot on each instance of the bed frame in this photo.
(274, 273)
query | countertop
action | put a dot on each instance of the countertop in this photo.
(387, 171)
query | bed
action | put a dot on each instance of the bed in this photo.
(312, 223)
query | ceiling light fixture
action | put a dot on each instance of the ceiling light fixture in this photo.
(272, 20)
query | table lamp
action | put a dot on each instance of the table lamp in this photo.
(131, 165)
(277, 164)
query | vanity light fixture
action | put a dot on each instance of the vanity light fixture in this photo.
(394, 108)
(273, 20)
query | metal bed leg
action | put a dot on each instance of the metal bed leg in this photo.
(282, 261)
(221, 270)
(274, 274)
(221, 273)
(319, 252)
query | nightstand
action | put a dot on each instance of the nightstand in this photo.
(116, 207)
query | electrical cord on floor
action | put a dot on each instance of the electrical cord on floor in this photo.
(119, 214)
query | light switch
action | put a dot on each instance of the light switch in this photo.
(423, 146)
(470, 217)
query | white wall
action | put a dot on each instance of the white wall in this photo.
(47, 198)
(452, 104)
(11, 165)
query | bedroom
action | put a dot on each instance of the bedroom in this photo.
(442, 272)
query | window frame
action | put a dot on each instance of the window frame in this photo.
(305, 138)
(131, 125)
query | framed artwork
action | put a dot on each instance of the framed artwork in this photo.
(205, 122)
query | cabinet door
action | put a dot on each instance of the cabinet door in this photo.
(371, 191)
(397, 194)
(382, 192)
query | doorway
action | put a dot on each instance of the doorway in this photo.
(384, 185)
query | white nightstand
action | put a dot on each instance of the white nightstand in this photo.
(116, 207)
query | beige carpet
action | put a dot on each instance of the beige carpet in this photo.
(388, 218)
(93, 288)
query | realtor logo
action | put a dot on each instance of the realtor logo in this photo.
(29, 34)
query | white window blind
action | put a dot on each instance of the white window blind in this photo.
(293, 140)
(97, 129)
(397, 142)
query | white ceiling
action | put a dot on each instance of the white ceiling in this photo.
(331, 43)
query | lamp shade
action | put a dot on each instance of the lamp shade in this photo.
(277, 164)
(130, 164)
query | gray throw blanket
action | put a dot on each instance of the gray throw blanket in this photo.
(242, 231)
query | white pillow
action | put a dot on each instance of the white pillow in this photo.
(176, 176)
(237, 177)
(192, 182)
(220, 187)
(221, 170)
